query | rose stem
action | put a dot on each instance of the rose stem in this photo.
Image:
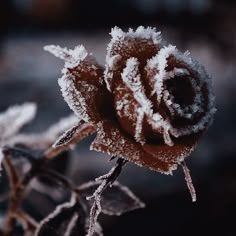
(15, 197)
(105, 181)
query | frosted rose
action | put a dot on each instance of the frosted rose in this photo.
(151, 103)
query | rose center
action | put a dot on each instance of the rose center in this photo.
(181, 89)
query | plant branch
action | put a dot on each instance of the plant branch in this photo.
(14, 197)
(105, 181)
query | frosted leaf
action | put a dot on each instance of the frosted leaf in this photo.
(68, 219)
(67, 136)
(104, 182)
(116, 200)
(46, 138)
(75, 134)
(189, 183)
(14, 118)
(59, 127)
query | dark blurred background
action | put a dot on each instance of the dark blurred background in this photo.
(204, 27)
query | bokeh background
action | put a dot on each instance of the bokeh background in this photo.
(204, 27)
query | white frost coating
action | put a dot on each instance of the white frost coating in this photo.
(189, 182)
(113, 61)
(56, 212)
(47, 138)
(118, 38)
(139, 125)
(72, 57)
(71, 225)
(132, 79)
(159, 63)
(15, 117)
(73, 97)
(63, 124)
(123, 149)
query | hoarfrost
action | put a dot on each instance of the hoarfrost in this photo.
(71, 57)
(188, 180)
(73, 97)
(116, 200)
(159, 62)
(47, 138)
(14, 118)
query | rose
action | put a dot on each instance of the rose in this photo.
(150, 104)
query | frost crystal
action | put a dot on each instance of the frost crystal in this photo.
(71, 57)
(156, 101)
(47, 138)
(160, 63)
(188, 180)
(73, 97)
(14, 118)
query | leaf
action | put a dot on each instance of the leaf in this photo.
(67, 135)
(15, 117)
(81, 132)
(68, 219)
(115, 200)
(46, 138)
(60, 221)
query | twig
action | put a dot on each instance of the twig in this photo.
(28, 223)
(17, 153)
(17, 187)
(14, 197)
(105, 181)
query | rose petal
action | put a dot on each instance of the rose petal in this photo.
(130, 101)
(142, 44)
(183, 146)
(111, 140)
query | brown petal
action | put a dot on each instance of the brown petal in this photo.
(142, 44)
(183, 146)
(111, 140)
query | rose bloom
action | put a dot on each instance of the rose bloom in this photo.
(150, 104)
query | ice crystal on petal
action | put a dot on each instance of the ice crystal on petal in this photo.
(71, 57)
(160, 63)
(124, 45)
(73, 97)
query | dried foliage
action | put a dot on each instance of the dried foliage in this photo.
(149, 105)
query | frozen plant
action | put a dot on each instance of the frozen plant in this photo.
(149, 105)
(27, 158)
